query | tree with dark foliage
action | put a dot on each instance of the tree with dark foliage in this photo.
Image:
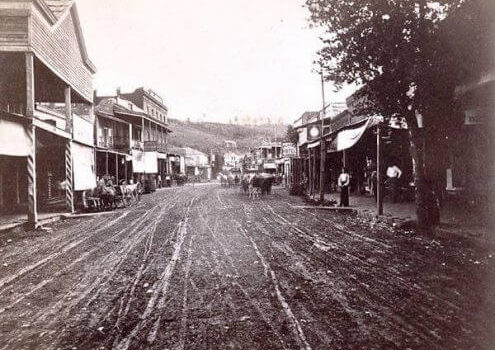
(399, 50)
(292, 135)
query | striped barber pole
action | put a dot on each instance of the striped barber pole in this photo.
(69, 186)
(31, 176)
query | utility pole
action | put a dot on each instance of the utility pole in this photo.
(323, 154)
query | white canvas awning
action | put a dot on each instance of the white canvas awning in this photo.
(18, 144)
(270, 166)
(349, 137)
(84, 167)
(144, 162)
(138, 164)
(314, 144)
(151, 162)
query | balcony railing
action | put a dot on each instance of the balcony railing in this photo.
(118, 143)
(15, 108)
(155, 146)
(137, 144)
(105, 142)
(121, 143)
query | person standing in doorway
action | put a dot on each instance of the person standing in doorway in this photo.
(343, 182)
(393, 175)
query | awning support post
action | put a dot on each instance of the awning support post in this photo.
(116, 169)
(323, 151)
(379, 189)
(31, 133)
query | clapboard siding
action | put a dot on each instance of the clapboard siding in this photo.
(13, 30)
(59, 48)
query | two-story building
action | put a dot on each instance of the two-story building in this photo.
(154, 131)
(44, 64)
(114, 138)
(197, 164)
(268, 156)
(232, 161)
(132, 143)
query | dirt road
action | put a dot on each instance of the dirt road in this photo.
(208, 268)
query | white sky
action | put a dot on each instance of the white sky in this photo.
(209, 60)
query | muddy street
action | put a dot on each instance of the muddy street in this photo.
(206, 267)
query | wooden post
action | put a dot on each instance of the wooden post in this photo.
(130, 135)
(30, 98)
(68, 109)
(379, 189)
(310, 173)
(31, 176)
(69, 189)
(31, 133)
(151, 131)
(69, 174)
(142, 130)
(17, 187)
(323, 151)
(125, 167)
(106, 163)
(116, 169)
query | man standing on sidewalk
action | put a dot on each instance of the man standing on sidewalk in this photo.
(393, 176)
(344, 181)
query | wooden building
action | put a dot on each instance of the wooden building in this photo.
(130, 141)
(154, 132)
(44, 64)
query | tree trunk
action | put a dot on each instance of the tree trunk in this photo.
(427, 204)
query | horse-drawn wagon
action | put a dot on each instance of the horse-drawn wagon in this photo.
(106, 196)
(256, 184)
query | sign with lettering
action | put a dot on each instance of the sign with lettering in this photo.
(288, 150)
(475, 116)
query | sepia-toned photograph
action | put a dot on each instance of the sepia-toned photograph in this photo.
(247, 174)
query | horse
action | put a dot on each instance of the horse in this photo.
(245, 183)
(254, 187)
(132, 192)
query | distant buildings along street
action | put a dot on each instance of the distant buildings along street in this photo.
(58, 136)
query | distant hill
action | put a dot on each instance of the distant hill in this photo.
(205, 136)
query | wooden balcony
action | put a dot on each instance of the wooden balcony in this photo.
(115, 143)
(137, 144)
(14, 108)
(155, 146)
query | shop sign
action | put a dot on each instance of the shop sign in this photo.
(83, 130)
(314, 132)
(475, 116)
(288, 150)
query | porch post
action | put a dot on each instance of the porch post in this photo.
(125, 168)
(31, 176)
(69, 190)
(116, 169)
(68, 109)
(379, 188)
(69, 175)
(142, 128)
(130, 135)
(31, 133)
(106, 163)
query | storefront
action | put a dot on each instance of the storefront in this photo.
(113, 165)
(13, 165)
(470, 170)
(355, 148)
